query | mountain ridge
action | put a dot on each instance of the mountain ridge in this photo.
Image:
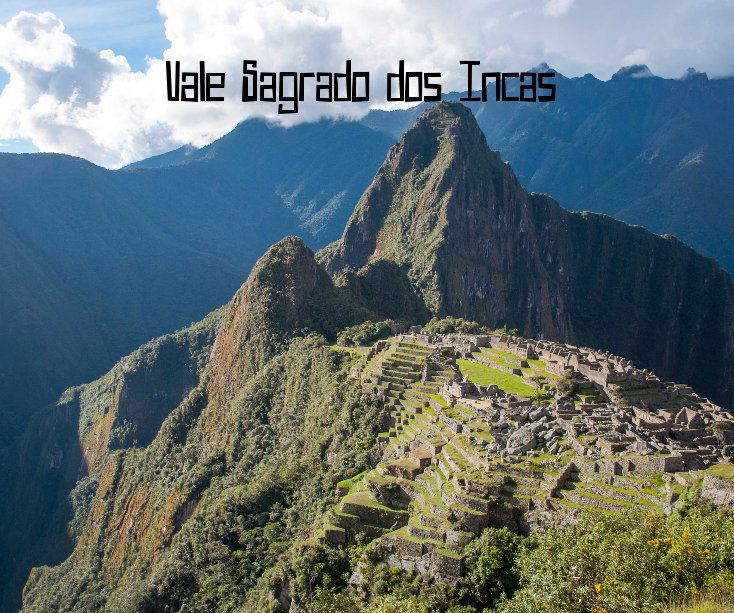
(650, 151)
(98, 261)
(477, 245)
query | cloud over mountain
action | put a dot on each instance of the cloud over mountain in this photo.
(69, 98)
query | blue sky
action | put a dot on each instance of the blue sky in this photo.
(132, 28)
(69, 95)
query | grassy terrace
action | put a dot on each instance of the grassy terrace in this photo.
(352, 481)
(485, 375)
(353, 350)
(605, 499)
(537, 367)
(486, 353)
(403, 533)
(584, 507)
(366, 499)
(724, 470)
(504, 354)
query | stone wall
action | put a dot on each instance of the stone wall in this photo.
(717, 490)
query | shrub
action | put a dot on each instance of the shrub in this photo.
(448, 325)
(312, 566)
(365, 333)
(624, 563)
(566, 386)
(489, 560)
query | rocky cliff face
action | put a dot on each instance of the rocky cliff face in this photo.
(49, 476)
(475, 244)
(651, 151)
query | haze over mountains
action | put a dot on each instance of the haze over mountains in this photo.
(96, 262)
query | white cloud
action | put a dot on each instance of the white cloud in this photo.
(638, 56)
(65, 97)
(36, 40)
(69, 98)
(556, 8)
(76, 100)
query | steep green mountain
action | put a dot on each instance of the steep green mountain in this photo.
(648, 151)
(448, 212)
(257, 459)
(267, 421)
(49, 475)
(94, 262)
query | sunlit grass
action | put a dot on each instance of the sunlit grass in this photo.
(486, 375)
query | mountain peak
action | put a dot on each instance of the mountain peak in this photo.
(444, 125)
(287, 293)
(544, 67)
(691, 74)
(449, 118)
(407, 205)
(438, 179)
(636, 71)
(446, 109)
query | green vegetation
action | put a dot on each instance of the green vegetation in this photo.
(447, 325)
(607, 562)
(297, 429)
(720, 602)
(619, 563)
(489, 563)
(122, 409)
(485, 375)
(389, 590)
(365, 333)
(355, 352)
(607, 499)
(500, 352)
(724, 470)
(349, 483)
(566, 385)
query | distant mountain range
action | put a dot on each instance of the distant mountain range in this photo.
(95, 262)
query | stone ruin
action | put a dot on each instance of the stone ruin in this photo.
(589, 430)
